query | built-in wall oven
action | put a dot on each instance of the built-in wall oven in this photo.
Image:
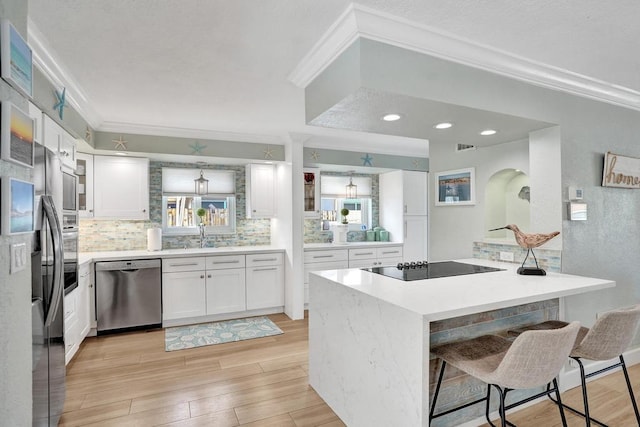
(70, 226)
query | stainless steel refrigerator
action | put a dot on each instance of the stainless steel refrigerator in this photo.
(47, 272)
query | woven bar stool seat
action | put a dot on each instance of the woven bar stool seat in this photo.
(532, 360)
(609, 337)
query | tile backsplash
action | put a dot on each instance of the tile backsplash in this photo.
(115, 235)
(548, 259)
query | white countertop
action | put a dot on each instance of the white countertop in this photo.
(85, 257)
(448, 297)
(348, 245)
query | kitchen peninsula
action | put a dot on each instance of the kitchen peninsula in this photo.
(369, 335)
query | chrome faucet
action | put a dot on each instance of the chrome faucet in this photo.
(202, 235)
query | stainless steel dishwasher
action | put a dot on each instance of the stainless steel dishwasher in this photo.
(128, 294)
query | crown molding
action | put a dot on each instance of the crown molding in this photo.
(45, 59)
(178, 132)
(359, 21)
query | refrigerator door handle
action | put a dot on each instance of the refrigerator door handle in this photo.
(58, 266)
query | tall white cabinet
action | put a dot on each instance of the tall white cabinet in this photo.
(403, 211)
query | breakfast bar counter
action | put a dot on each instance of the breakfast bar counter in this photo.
(369, 335)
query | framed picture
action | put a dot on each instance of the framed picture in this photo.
(456, 187)
(16, 135)
(16, 59)
(18, 203)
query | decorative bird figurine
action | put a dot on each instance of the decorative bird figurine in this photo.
(528, 242)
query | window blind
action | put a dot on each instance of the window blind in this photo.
(180, 181)
(335, 186)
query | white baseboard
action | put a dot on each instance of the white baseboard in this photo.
(569, 378)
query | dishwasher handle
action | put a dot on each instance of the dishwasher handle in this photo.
(132, 265)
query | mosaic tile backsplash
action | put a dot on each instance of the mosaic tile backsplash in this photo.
(117, 235)
(548, 259)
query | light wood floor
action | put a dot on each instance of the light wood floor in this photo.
(129, 380)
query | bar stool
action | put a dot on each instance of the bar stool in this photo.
(532, 360)
(609, 337)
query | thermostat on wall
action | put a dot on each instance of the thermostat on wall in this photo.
(575, 193)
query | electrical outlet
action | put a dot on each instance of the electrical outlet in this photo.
(18, 253)
(506, 256)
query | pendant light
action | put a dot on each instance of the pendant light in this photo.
(352, 189)
(202, 184)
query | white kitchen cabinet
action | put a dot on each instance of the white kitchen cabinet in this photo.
(71, 333)
(226, 290)
(59, 141)
(260, 191)
(121, 187)
(318, 260)
(311, 192)
(375, 256)
(83, 300)
(415, 238)
(265, 281)
(414, 188)
(84, 170)
(183, 294)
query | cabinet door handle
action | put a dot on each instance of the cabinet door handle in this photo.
(322, 256)
(226, 262)
(202, 276)
(208, 276)
(405, 229)
(390, 252)
(265, 269)
(363, 253)
(183, 264)
(264, 259)
(144, 210)
(405, 208)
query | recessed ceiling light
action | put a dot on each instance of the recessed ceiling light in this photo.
(391, 117)
(488, 132)
(443, 125)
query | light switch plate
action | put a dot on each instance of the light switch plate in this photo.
(18, 253)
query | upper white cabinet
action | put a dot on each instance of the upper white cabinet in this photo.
(311, 192)
(84, 170)
(414, 188)
(261, 191)
(121, 187)
(59, 141)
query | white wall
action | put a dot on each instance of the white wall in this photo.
(15, 303)
(455, 228)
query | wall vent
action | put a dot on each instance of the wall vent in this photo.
(465, 147)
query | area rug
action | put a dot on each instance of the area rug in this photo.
(181, 337)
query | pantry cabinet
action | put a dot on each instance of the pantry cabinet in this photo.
(121, 187)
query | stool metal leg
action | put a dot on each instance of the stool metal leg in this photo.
(585, 398)
(633, 398)
(560, 406)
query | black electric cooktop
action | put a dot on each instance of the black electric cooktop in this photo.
(423, 270)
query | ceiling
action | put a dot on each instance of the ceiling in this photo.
(222, 67)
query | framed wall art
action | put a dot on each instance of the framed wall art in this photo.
(16, 135)
(18, 204)
(16, 59)
(455, 187)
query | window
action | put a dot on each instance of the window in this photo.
(332, 201)
(180, 205)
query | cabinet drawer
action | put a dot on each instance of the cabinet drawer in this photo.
(255, 260)
(392, 252)
(362, 253)
(225, 261)
(324, 256)
(183, 264)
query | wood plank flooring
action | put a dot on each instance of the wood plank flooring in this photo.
(129, 380)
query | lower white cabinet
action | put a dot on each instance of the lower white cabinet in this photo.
(265, 281)
(226, 290)
(77, 314)
(222, 284)
(183, 294)
(318, 260)
(375, 257)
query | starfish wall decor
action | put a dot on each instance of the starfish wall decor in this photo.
(197, 148)
(315, 155)
(87, 134)
(61, 102)
(366, 160)
(268, 153)
(120, 143)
